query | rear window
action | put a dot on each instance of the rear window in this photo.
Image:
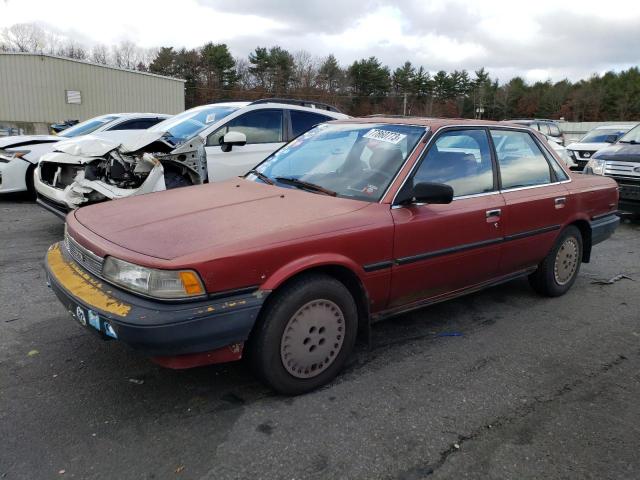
(303, 121)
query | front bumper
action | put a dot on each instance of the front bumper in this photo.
(50, 198)
(629, 196)
(153, 327)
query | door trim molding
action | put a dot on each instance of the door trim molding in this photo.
(459, 248)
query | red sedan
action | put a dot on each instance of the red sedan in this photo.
(350, 223)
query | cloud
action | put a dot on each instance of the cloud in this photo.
(572, 38)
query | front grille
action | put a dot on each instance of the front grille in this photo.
(58, 175)
(616, 168)
(87, 259)
(629, 192)
(585, 154)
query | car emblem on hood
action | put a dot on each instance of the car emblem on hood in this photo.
(586, 154)
(637, 169)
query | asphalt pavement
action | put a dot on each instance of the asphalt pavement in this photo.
(501, 384)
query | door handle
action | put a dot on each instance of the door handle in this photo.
(560, 202)
(493, 213)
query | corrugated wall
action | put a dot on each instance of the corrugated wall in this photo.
(32, 89)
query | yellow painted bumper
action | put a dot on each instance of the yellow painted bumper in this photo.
(81, 285)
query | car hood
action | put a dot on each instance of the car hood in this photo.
(21, 140)
(620, 151)
(98, 144)
(219, 218)
(590, 147)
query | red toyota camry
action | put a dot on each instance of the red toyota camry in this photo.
(352, 222)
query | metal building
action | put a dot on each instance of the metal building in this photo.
(37, 90)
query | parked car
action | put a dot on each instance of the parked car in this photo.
(207, 143)
(19, 155)
(352, 222)
(621, 161)
(549, 128)
(61, 126)
(596, 139)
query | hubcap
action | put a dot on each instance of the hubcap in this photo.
(566, 261)
(312, 338)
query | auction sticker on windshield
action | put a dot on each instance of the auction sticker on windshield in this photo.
(384, 136)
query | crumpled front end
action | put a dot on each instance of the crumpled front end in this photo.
(74, 181)
(91, 171)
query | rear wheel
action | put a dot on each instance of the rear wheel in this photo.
(557, 272)
(305, 334)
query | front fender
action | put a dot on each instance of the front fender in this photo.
(299, 265)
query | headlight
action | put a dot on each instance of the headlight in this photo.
(571, 153)
(153, 282)
(595, 167)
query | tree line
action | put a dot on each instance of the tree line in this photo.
(364, 87)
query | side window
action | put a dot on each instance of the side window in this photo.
(260, 126)
(460, 158)
(303, 121)
(137, 124)
(544, 128)
(522, 164)
(555, 131)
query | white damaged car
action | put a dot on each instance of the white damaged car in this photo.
(207, 143)
(19, 154)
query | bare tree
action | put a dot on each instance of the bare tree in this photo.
(24, 37)
(100, 54)
(305, 69)
(72, 49)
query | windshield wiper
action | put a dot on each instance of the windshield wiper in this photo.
(307, 185)
(261, 176)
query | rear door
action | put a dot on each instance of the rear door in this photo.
(264, 129)
(439, 249)
(536, 199)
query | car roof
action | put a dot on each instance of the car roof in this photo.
(140, 115)
(261, 105)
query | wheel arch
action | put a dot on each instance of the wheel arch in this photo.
(585, 230)
(338, 267)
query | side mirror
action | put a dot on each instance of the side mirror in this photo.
(232, 138)
(611, 138)
(426, 192)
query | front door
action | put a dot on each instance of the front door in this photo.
(265, 134)
(439, 249)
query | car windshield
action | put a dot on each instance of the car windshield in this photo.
(348, 160)
(87, 126)
(602, 135)
(632, 136)
(185, 125)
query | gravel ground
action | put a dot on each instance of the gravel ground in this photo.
(528, 387)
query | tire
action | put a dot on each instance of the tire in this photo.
(175, 180)
(558, 271)
(319, 316)
(31, 189)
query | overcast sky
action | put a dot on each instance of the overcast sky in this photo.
(538, 39)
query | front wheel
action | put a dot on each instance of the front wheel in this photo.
(558, 271)
(305, 334)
